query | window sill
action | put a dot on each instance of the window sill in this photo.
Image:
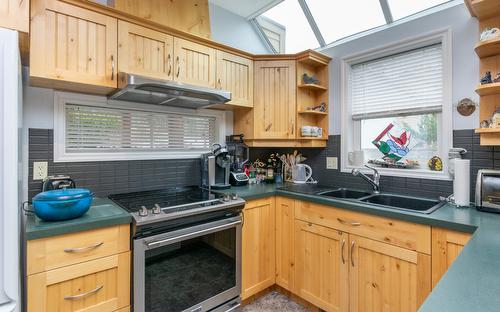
(406, 173)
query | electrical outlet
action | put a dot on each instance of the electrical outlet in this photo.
(40, 169)
(332, 163)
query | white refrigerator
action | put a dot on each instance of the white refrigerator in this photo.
(10, 129)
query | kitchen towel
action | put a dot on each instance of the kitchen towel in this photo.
(461, 182)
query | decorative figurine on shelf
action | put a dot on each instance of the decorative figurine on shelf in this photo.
(306, 79)
(466, 107)
(495, 119)
(497, 78)
(485, 123)
(435, 164)
(486, 78)
(318, 108)
(490, 33)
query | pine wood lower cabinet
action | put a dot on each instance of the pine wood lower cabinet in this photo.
(384, 277)
(258, 246)
(94, 286)
(321, 271)
(446, 246)
(285, 242)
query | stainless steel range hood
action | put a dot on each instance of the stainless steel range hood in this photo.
(135, 88)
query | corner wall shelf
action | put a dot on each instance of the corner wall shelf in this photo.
(312, 86)
(488, 89)
(488, 48)
(312, 112)
(487, 130)
(483, 9)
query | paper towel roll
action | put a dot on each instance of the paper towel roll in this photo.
(461, 182)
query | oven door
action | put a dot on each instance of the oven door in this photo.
(191, 269)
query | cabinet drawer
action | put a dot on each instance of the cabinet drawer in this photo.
(99, 285)
(400, 233)
(59, 251)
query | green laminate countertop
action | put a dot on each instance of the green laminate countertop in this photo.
(471, 283)
(102, 213)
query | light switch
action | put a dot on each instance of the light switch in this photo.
(40, 169)
(332, 163)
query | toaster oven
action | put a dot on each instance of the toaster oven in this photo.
(488, 190)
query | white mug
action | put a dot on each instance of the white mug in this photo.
(306, 131)
(356, 158)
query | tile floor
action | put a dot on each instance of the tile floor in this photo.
(274, 302)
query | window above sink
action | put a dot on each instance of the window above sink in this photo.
(396, 106)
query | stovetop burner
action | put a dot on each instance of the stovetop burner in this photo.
(166, 205)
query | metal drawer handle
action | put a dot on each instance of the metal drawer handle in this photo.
(83, 249)
(112, 67)
(269, 127)
(342, 251)
(352, 251)
(81, 296)
(169, 62)
(194, 234)
(350, 223)
(178, 66)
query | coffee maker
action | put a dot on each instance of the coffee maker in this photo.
(239, 155)
(215, 168)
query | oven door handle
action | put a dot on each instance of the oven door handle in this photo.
(153, 244)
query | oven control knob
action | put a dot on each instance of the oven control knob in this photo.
(143, 212)
(234, 196)
(156, 209)
(226, 197)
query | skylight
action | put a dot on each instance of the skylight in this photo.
(299, 35)
(309, 24)
(404, 8)
(339, 19)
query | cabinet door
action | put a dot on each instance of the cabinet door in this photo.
(446, 246)
(274, 101)
(98, 285)
(284, 242)
(144, 51)
(14, 14)
(321, 266)
(235, 74)
(383, 277)
(258, 249)
(72, 44)
(194, 63)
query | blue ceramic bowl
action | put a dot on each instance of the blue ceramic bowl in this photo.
(65, 204)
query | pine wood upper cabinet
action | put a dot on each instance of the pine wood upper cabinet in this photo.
(384, 277)
(145, 52)
(72, 45)
(284, 242)
(321, 270)
(235, 74)
(99, 285)
(446, 246)
(194, 63)
(258, 246)
(14, 14)
(274, 100)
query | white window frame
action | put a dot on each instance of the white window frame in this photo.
(349, 129)
(63, 98)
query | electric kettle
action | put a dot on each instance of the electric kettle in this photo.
(301, 173)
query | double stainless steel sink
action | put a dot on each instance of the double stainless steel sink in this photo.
(400, 202)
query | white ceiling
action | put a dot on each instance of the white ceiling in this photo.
(246, 8)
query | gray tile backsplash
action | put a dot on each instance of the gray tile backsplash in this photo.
(108, 177)
(482, 157)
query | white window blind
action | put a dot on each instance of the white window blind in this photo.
(95, 129)
(403, 83)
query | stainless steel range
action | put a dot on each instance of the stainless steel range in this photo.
(187, 249)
